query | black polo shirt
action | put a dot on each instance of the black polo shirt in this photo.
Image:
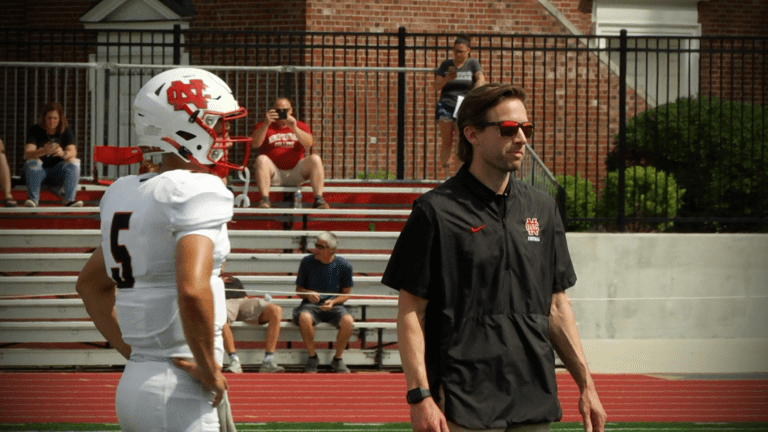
(488, 264)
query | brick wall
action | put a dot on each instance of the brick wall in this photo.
(44, 13)
(249, 15)
(578, 12)
(450, 16)
(730, 17)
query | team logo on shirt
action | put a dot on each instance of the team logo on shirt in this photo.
(180, 94)
(532, 226)
(283, 139)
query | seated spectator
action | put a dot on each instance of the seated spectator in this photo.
(319, 274)
(50, 156)
(254, 311)
(282, 141)
(5, 178)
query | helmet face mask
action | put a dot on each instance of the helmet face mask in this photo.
(188, 112)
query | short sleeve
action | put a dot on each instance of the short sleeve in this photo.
(409, 266)
(32, 136)
(565, 275)
(303, 126)
(476, 66)
(345, 278)
(67, 138)
(301, 276)
(212, 234)
(442, 70)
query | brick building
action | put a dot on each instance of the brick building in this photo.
(570, 89)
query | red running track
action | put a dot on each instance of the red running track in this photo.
(50, 397)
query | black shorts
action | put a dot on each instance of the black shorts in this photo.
(332, 316)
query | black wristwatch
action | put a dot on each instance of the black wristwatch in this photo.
(417, 395)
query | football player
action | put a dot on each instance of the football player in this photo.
(153, 288)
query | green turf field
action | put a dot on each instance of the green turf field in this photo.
(404, 427)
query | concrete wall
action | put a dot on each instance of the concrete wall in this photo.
(672, 302)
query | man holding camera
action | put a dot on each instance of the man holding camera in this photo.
(282, 141)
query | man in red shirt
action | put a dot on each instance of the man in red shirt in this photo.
(282, 141)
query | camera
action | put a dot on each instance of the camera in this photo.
(282, 114)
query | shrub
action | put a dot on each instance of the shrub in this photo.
(648, 193)
(380, 175)
(717, 150)
(580, 201)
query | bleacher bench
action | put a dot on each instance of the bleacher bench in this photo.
(73, 308)
(239, 239)
(373, 336)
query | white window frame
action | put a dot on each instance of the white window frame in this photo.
(674, 18)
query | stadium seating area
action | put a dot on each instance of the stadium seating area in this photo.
(44, 324)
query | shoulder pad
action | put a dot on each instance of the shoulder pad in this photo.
(194, 200)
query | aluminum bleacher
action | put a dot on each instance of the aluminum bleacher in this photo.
(43, 323)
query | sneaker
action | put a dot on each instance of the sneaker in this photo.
(320, 203)
(30, 203)
(311, 365)
(235, 366)
(265, 203)
(74, 204)
(339, 366)
(10, 202)
(271, 366)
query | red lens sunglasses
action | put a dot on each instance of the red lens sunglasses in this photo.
(509, 128)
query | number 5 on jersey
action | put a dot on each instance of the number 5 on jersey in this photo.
(120, 221)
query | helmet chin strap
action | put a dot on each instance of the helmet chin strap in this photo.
(186, 155)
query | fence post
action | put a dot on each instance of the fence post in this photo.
(401, 105)
(176, 44)
(622, 125)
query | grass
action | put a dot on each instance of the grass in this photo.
(404, 427)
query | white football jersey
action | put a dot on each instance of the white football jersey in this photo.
(142, 217)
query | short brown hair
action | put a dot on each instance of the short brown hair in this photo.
(53, 106)
(475, 107)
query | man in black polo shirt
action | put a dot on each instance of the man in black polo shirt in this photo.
(482, 266)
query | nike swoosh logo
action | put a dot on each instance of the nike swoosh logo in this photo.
(474, 230)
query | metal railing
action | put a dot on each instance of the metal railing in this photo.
(369, 101)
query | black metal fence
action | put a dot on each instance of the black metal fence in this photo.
(636, 128)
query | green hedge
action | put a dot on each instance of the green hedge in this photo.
(717, 150)
(580, 201)
(648, 192)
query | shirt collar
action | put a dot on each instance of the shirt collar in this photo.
(480, 189)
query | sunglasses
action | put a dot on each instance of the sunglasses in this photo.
(509, 128)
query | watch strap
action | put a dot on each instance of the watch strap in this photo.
(417, 395)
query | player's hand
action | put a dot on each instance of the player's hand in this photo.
(328, 305)
(211, 380)
(427, 417)
(592, 411)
